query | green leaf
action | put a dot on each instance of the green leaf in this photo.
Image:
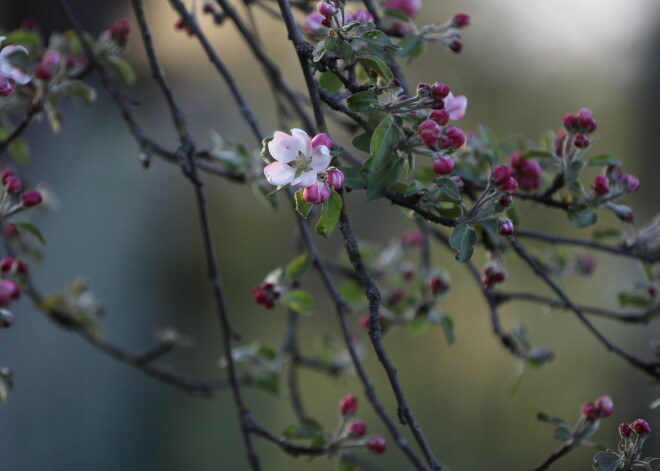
(544, 417)
(339, 48)
(19, 150)
(376, 67)
(603, 159)
(307, 429)
(447, 324)
(462, 240)
(330, 211)
(631, 299)
(22, 37)
(354, 178)
(268, 381)
(418, 325)
(123, 67)
(537, 153)
(489, 138)
(344, 464)
(330, 82)
(381, 147)
(582, 216)
(302, 206)
(362, 141)
(54, 117)
(32, 229)
(410, 46)
(319, 51)
(608, 232)
(449, 189)
(573, 171)
(298, 267)
(563, 434)
(361, 102)
(654, 463)
(300, 301)
(75, 88)
(379, 182)
(606, 461)
(379, 39)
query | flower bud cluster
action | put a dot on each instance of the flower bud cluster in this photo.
(266, 294)
(13, 186)
(527, 172)
(48, 65)
(120, 30)
(493, 274)
(602, 407)
(349, 436)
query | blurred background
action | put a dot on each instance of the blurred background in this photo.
(133, 234)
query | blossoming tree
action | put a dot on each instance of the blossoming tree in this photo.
(405, 147)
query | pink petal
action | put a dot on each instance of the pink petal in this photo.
(303, 140)
(304, 180)
(456, 106)
(320, 158)
(279, 173)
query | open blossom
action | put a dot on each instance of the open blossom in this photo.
(456, 105)
(7, 70)
(297, 162)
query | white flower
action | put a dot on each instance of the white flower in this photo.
(297, 161)
(456, 106)
(7, 70)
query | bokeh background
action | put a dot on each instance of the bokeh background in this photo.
(133, 233)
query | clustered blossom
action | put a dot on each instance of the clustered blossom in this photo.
(409, 7)
(9, 74)
(266, 294)
(303, 163)
(317, 24)
(602, 407)
(493, 274)
(358, 428)
(527, 172)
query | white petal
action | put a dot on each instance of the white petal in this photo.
(304, 180)
(456, 106)
(303, 140)
(281, 148)
(279, 173)
(320, 158)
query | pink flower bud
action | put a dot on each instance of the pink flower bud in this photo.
(316, 193)
(31, 198)
(412, 238)
(51, 59)
(438, 285)
(581, 141)
(409, 7)
(506, 227)
(322, 139)
(423, 89)
(327, 22)
(440, 90)
(630, 182)
(208, 9)
(559, 142)
(6, 87)
(458, 181)
(590, 412)
(429, 132)
(493, 274)
(585, 117)
(357, 429)
(348, 405)
(365, 320)
(570, 121)
(605, 406)
(6, 174)
(461, 20)
(586, 264)
(314, 25)
(641, 427)
(443, 165)
(456, 46)
(453, 138)
(335, 178)
(377, 444)
(180, 24)
(12, 184)
(501, 174)
(440, 116)
(20, 266)
(505, 201)
(13, 288)
(511, 185)
(6, 263)
(326, 9)
(625, 430)
(120, 30)
(601, 185)
(43, 72)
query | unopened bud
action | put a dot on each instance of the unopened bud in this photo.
(443, 165)
(348, 405)
(641, 427)
(601, 185)
(581, 141)
(316, 193)
(335, 178)
(31, 198)
(429, 132)
(377, 444)
(501, 174)
(322, 139)
(506, 227)
(6, 87)
(605, 406)
(461, 20)
(357, 429)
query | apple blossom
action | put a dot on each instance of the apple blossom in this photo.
(314, 25)
(316, 193)
(297, 162)
(409, 7)
(7, 70)
(456, 106)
